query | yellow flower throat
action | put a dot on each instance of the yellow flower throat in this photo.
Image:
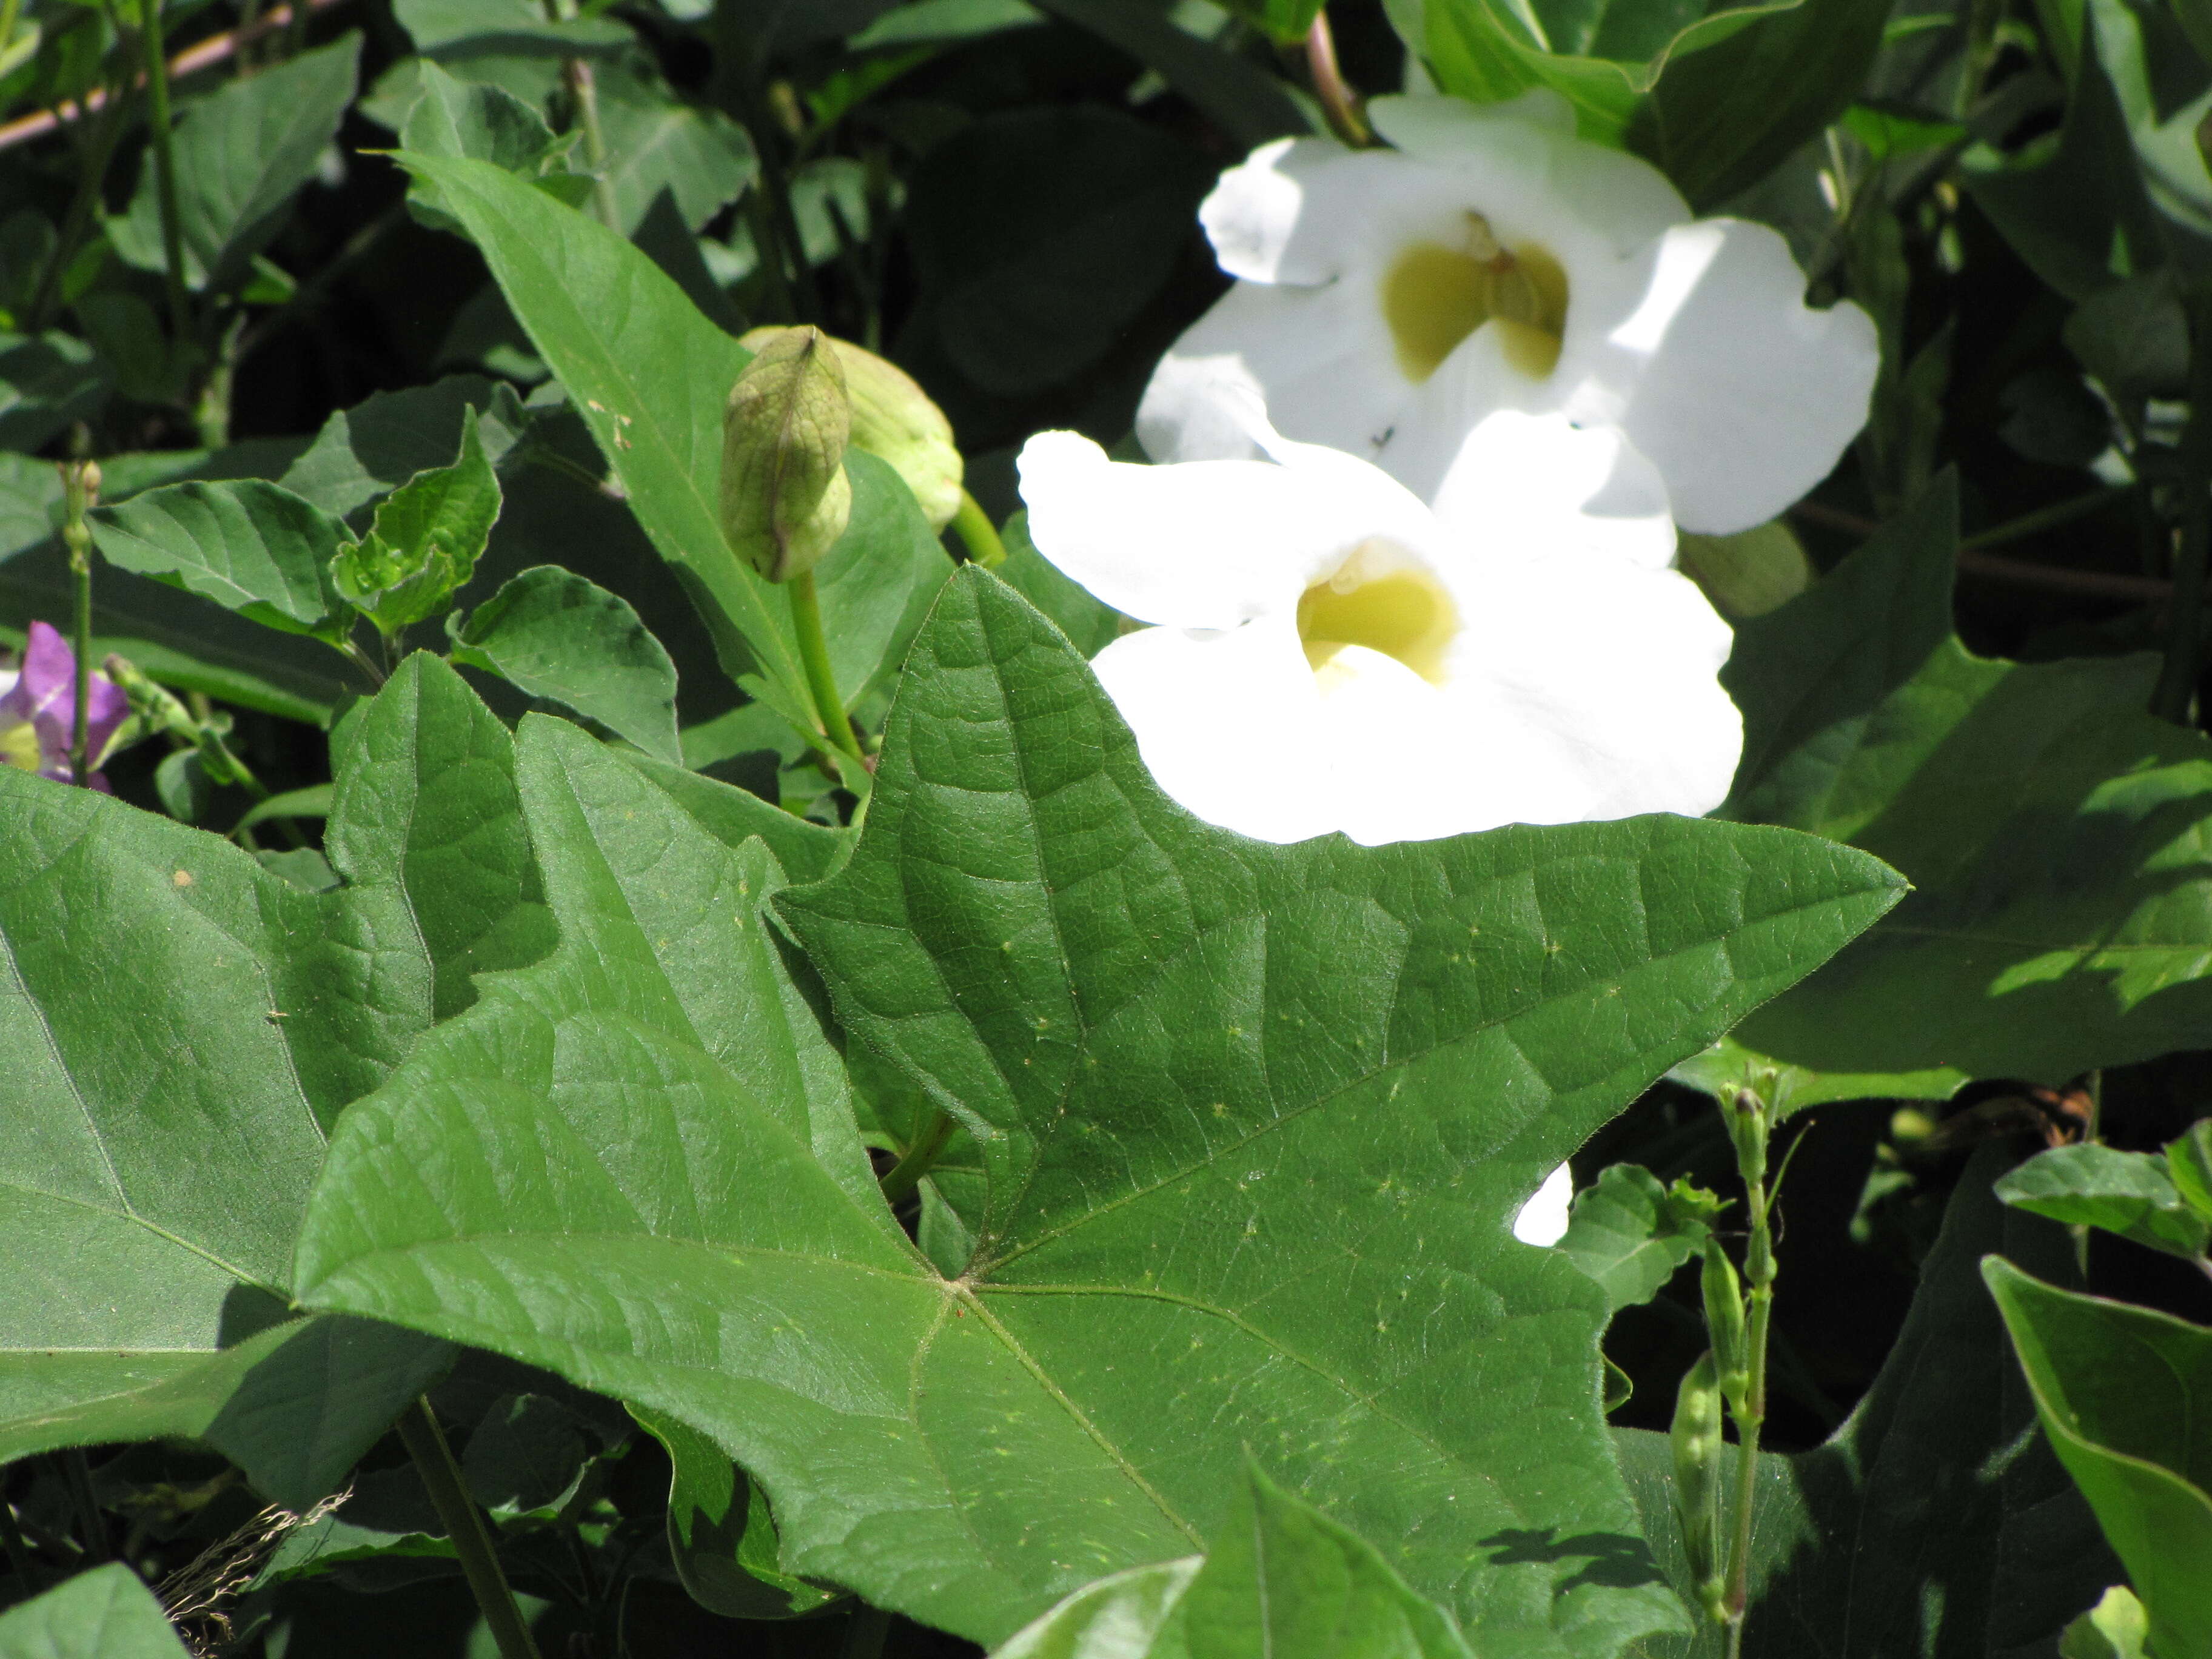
(1377, 600)
(1435, 296)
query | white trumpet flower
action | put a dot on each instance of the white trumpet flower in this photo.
(1332, 654)
(1387, 300)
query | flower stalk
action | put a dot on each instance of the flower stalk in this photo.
(821, 678)
(465, 1526)
(973, 525)
(1338, 100)
(1750, 1117)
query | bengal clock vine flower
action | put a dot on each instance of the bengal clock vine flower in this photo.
(38, 709)
(1388, 299)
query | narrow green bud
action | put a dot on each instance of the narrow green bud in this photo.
(784, 497)
(2189, 1161)
(895, 420)
(1695, 1437)
(1724, 1323)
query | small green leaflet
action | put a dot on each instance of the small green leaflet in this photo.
(425, 542)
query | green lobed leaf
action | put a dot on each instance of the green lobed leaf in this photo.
(1630, 1233)
(106, 1613)
(806, 851)
(2130, 1193)
(230, 1017)
(2123, 1394)
(656, 142)
(2054, 833)
(251, 546)
(425, 540)
(1935, 1522)
(554, 634)
(1328, 1075)
(242, 153)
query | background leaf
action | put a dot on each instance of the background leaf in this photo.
(1630, 1233)
(242, 1013)
(252, 547)
(2053, 832)
(104, 1613)
(554, 634)
(242, 152)
(2130, 1193)
(1934, 1520)
(2122, 1392)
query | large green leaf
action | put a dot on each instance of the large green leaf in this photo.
(2054, 833)
(1256, 1120)
(650, 375)
(242, 152)
(1935, 1522)
(106, 1613)
(181, 1027)
(2126, 1394)
(1284, 1582)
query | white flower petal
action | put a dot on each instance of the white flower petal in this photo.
(1208, 544)
(1742, 395)
(1537, 482)
(1612, 674)
(1319, 359)
(1225, 721)
(1543, 1218)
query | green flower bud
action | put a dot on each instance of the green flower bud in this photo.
(1695, 1437)
(894, 420)
(784, 497)
(1724, 1323)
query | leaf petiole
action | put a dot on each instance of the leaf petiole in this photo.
(902, 1177)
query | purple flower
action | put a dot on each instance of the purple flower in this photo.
(37, 712)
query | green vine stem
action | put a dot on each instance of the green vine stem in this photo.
(79, 488)
(465, 1526)
(165, 168)
(976, 533)
(821, 678)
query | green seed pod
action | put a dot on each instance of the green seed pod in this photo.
(784, 497)
(895, 420)
(1724, 1323)
(1695, 1437)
